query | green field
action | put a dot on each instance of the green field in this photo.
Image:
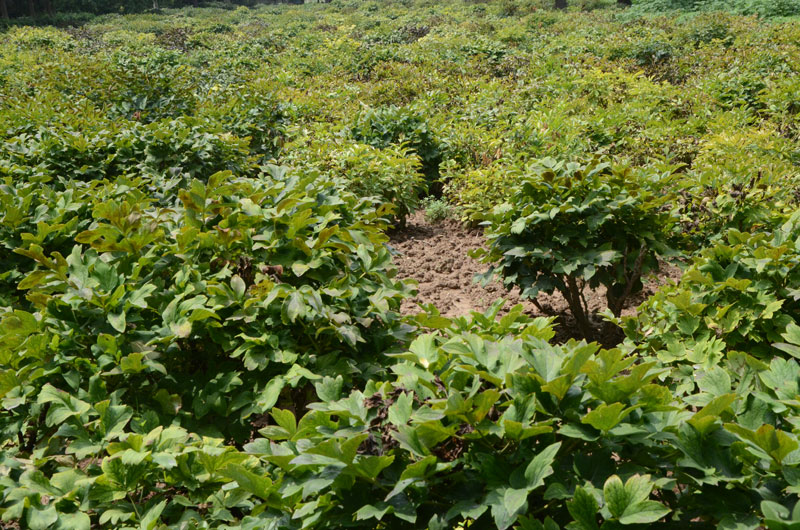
(200, 317)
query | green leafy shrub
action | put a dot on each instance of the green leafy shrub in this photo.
(27, 38)
(569, 226)
(478, 190)
(186, 146)
(34, 212)
(242, 289)
(742, 294)
(391, 174)
(707, 213)
(733, 89)
(705, 30)
(744, 181)
(764, 8)
(148, 85)
(436, 209)
(253, 113)
(393, 125)
(482, 423)
(651, 54)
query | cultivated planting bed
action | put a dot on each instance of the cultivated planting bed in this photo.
(202, 321)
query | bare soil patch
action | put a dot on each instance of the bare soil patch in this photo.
(436, 255)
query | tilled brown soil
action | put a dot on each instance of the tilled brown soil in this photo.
(436, 255)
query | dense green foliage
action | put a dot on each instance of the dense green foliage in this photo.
(764, 8)
(569, 226)
(739, 295)
(200, 320)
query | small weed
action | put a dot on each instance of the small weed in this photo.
(436, 209)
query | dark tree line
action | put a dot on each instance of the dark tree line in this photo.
(9, 8)
(34, 8)
(562, 4)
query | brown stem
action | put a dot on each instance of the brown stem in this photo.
(616, 304)
(33, 430)
(581, 288)
(539, 306)
(573, 297)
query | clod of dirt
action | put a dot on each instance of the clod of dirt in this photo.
(436, 255)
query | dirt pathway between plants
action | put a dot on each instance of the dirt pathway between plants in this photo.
(437, 256)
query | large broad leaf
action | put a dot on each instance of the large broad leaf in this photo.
(63, 405)
(258, 485)
(293, 307)
(704, 420)
(117, 321)
(400, 411)
(507, 504)
(775, 443)
(583, 508)
(73, 521)
(606, 417)
(373, 511)
(792, 338)
(541, 466)
(150, 519)
(628, 502)
(269, 396)
(644, 512)
(424, 350)
(42, 518)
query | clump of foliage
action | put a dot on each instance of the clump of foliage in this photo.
(236, 290)
(483, 417)
(708, 212)
(27, 38)
(183, 146)
(764, 8)
(392, 174)
(739, 295)
(436, 210)
(570, 226)
(480, 189)
(387, 126)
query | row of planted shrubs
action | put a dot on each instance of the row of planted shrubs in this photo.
(715, 114)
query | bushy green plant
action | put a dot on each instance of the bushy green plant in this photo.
(149, 85)
(733, 90)
(28, 38)
(707, 213)
(482, 423)
(38, 213)
(391, 174)
(186, 146)
(243, 288)
(651, 54)
(705, 30)
(398, 126)
(436, 210)
(764, 8)
(570, 226)
(478, 190)
(742, 294)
